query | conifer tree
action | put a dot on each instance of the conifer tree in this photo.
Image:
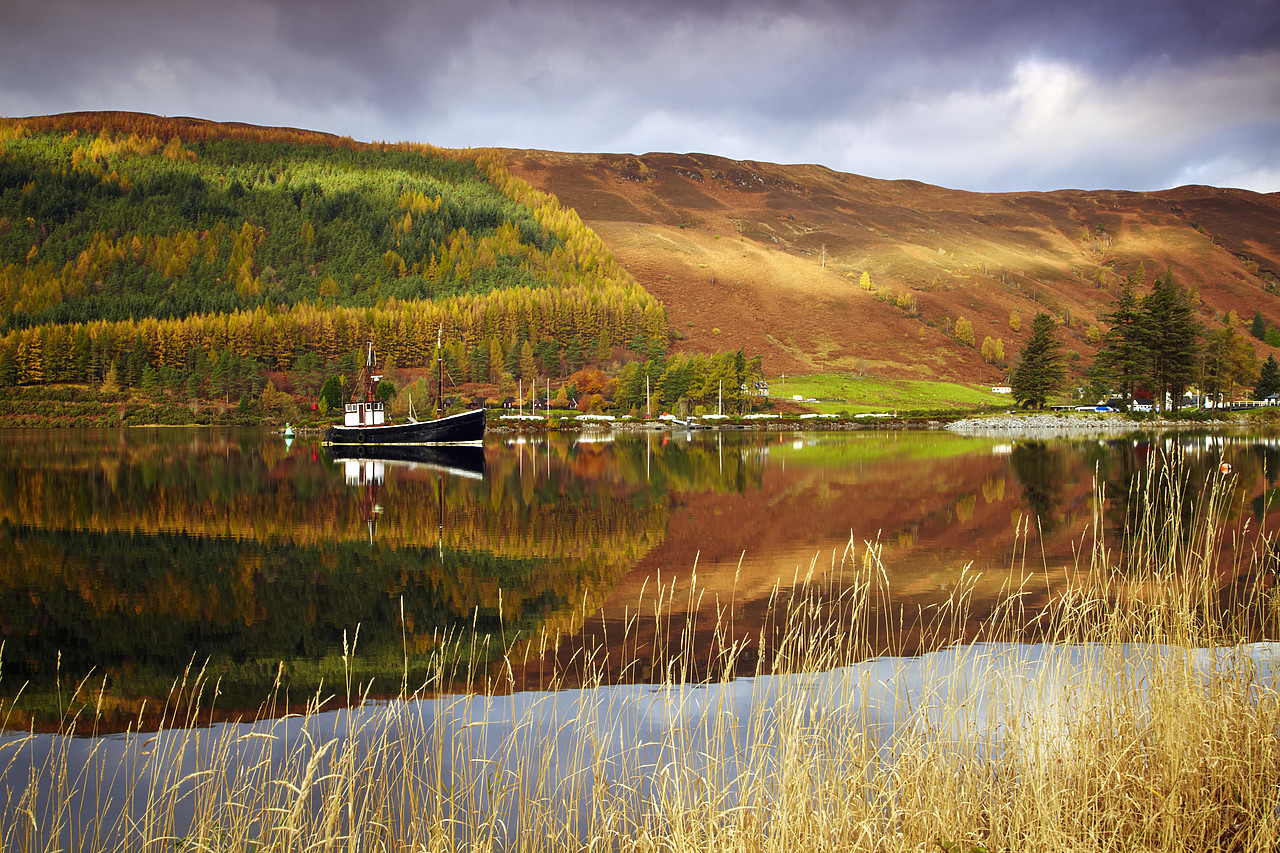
(1122, 360)
(528, 369)
(1228, 361)
(1039, 371)
(1258, 328)
(1268, 379)
(1172, 339)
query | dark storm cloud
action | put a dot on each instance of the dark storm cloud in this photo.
(981, 94)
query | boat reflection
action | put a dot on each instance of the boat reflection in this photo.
(454, 460)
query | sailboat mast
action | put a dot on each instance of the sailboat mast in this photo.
(440, 374)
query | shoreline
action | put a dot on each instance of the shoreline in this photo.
(1062, 424)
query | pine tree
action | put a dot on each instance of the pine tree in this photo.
(1259, 326)
(1172, 339)
(1039, 371)
(1122, 360)
(1268, 379)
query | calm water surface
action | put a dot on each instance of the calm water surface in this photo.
(129, 557)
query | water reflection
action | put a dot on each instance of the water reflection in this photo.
(130, 555)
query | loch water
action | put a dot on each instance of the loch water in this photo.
(135, 560)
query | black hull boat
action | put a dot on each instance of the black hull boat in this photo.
(462, 460)
(464, 428)
(365, 419)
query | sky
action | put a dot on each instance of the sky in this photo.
(983, 95)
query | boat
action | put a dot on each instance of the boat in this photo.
(365, 420)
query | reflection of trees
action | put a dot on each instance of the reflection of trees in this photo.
(1040, 468)
(1157, 488)
(152, 603)
(1268, 458)
(137, 555)
(224, 487)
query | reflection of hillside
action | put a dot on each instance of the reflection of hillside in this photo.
(1004, 517)
(135, 557)
(140, 607)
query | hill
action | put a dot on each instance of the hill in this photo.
(204, 265)
(771, 258)
(191, 259)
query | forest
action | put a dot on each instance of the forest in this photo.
(200, 259)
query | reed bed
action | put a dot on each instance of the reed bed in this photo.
(1136, 710)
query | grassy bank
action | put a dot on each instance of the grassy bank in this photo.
(1125, 711)
(840, 392)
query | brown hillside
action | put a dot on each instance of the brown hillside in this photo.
(736, 249)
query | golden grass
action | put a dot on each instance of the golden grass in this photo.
(1144, 718)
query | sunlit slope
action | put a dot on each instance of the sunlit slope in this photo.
(771, 258)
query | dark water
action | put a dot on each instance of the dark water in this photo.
(130, 557)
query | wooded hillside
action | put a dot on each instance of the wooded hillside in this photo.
(187, 253)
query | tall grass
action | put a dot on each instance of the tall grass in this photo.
(1145, 716)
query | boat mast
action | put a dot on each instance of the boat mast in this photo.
(440, 367)
(368, 374)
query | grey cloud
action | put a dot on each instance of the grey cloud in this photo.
(927, 89)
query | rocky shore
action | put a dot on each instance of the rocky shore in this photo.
(1049, 424)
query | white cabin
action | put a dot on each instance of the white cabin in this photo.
(365, 414)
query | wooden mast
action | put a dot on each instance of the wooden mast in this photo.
(440, 366)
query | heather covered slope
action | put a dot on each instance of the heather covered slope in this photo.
(771, 258)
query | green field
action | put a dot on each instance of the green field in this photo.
(837, 392)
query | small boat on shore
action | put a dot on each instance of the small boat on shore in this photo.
(365, 421)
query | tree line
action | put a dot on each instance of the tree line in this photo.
(1155, 347)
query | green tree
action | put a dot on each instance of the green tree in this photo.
(1268, 379)
(1122, 361)
(1172, 338)
(331, 393)
(479, 362)
(1258, 328)
(1039, 371)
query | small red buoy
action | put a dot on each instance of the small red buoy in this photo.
(1225, 467)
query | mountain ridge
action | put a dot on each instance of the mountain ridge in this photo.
(769, 258)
